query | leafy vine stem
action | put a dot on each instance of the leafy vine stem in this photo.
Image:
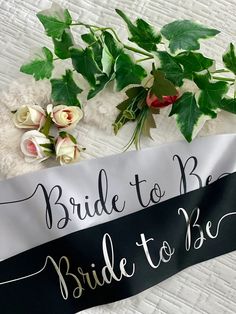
(101, 57)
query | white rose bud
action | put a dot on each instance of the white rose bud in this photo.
(67, 150)
(29, 117)
(65, 117)
(31, 146)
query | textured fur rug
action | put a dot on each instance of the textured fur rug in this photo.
(94, 132)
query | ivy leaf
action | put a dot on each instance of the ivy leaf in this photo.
(187, 115)
(169, 65)
(228, 104)
(211, 94)
(229, 58)
(113, 46)
(143, 34)
(61, 47)
(185, 34)
(84, 63)
(127, 72)
(111, 51)
(193, 62)
(55, 20)
(88, 38)
(162, 86)
(107, 61)
(106, 56)
(102, 82)
(41, 66)
(65, 90)
(95, 45)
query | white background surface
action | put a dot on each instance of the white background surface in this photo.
(207, 288)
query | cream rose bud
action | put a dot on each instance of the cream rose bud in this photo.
(65, 117)
(31, 142)
(29, 117)
(67, 151)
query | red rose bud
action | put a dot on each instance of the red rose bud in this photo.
(153, 101)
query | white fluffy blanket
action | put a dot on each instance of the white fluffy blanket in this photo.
(94, 132)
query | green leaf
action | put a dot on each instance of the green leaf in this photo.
(149, 124)
(113, 46)
(228, 104)
(65, 90)
(193, 62)
(139, 129)
(211, 94)
(162, 86)
(124, 104)
(119, 122)
(130, 107)
(48, 146)
(49, 153)
(96, 47)
(61, 47)
(89, 38)
(134, 95)
(72, 138)
(107, 61)
(169, 65)
(47, 126)
(102, 82)
(84, 63)
(229, 58)
(185, 34)
(127, 72)
(143, 34)
(111, 51)
(187, 115)
(135, 91)
(41, 66)
(63, 134)
(55, 20)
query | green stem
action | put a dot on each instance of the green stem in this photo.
(144, 59)
(83, 24)
(219, 78)
(221, 71)
(135, 139)
(138, 51)
(140, 125)
(116, 36)
(125, 46)
(111, 29)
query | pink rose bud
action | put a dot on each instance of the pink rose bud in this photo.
(65, 117)
(31, 142)
(67, 150)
